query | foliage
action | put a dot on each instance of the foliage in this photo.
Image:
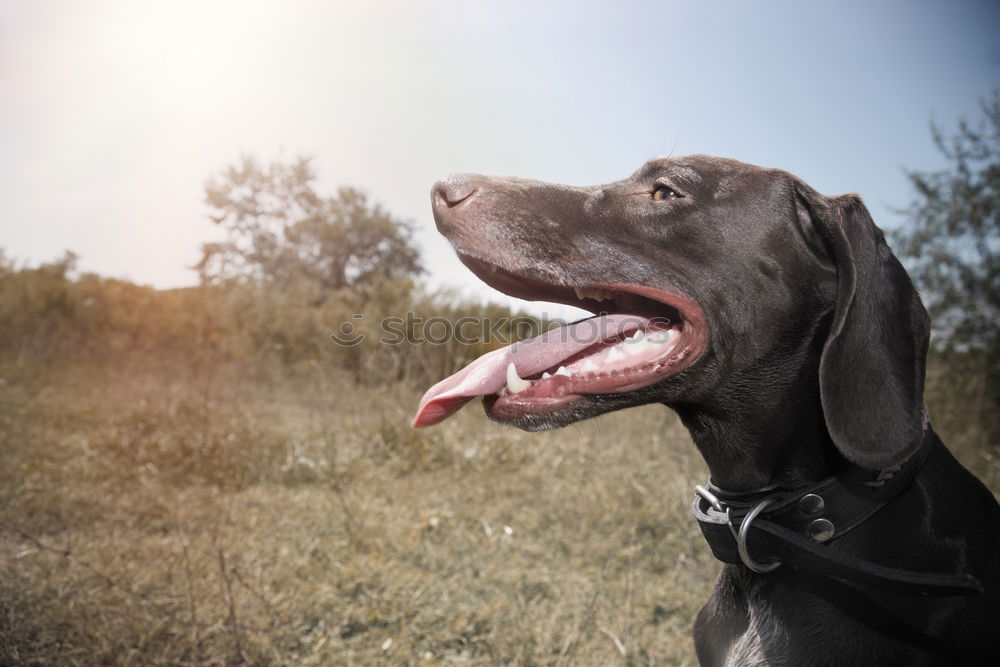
(48, 316)
(952, 244)
(953, 236)
(35, 304)
(280, 231)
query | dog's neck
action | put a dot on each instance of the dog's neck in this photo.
(751, 451)
(777, 437)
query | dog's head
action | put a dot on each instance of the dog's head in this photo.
(706, 276)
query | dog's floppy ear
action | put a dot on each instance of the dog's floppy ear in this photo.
(871, 374)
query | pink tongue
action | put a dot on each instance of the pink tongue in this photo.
(488, 374)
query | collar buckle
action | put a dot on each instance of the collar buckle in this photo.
(740, 534)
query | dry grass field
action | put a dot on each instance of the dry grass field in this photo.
(204, 518)
(181, 509)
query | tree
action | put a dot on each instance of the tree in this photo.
(952, 248)
(280, 231)
(952, 241)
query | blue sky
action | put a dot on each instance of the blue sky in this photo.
(113, 114)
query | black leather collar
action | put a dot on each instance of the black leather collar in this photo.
(768, 527)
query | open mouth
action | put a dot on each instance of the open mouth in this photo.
(639, 336)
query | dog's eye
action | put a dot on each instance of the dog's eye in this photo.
(663, 193)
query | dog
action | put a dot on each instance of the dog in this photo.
(780, 327)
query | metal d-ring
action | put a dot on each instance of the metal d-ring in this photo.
(741, 540)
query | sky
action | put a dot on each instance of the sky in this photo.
(114, 114)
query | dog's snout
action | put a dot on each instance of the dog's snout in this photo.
(453, 191)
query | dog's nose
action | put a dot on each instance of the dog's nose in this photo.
(453, 191)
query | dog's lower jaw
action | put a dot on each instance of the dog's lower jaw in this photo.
(586, 406)
(536, 422)
(583, 407)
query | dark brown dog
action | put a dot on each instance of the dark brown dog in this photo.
(790, 340)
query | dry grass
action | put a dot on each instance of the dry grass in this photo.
(196, 517)
(207, 520)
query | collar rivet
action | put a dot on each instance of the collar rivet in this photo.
(811, 504)
(820, 530)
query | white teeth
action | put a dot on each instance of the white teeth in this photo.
(655, 342)
(638, 347)
(515, 384)
(662, 336)
(595, 293)
(651, 342)
(599, 295)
